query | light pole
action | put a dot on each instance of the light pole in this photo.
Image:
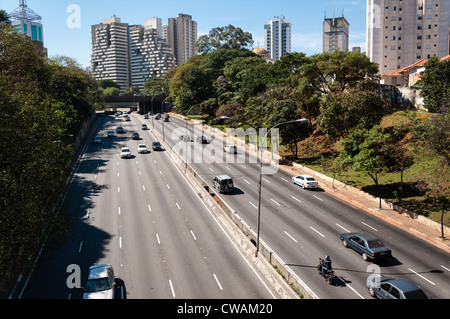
(186, 133)
(302, 121)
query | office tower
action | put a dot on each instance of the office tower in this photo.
(150, 56)
(400, 33)
(110, 60)
(335, 34)
(26, 21)
(182, 37)
(129, 55)
(277, 37)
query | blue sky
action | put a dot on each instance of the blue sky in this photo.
(305, 15)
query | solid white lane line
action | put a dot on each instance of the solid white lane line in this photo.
(354, 290)
(342, 228)
(369, 226)
(445, 268)
(217, 280)
(317, 231)
(298, 200)
(422, 277)
(291, 237)
(318, 198)
(275, 202)
(171, 288)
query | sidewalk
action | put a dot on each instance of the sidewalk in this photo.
(403, 221)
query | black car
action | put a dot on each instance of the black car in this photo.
(390, 288)
(120, 130)
(370, 247)
(156, 146)
(202, 140)
(135, 136)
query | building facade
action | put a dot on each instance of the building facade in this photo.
(181, 36)
(129, 55)
(400, 33)
(335, 34)
(278, 37)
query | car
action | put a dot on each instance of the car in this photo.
(166, 119)
(120, 130)
(202, 140)
(100, 282)
(110, 134)
(127, 119)
(144, 127)
(156, 146)
(185, 138)
(125, 153)
(142, 149)
(117, 114)
(146, 116)
(369, 246)
(230, 149)
(97, 140)
(158, 116)
(391, 288)
(135, 136)
(305, 181)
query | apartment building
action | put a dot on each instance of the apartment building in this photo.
(181, 36)
(129, 55)
(335, 34)
(110, 53)
(278, 37)
(400, 33)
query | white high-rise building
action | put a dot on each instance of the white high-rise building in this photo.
(109, 60)
(181, 36)
(277, 37)
(129, 55)
(400, 33)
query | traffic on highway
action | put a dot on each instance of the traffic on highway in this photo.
(140, 219)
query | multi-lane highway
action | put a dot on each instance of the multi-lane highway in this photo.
(303, 225)
(142, 216)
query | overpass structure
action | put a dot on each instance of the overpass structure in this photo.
(143, 104)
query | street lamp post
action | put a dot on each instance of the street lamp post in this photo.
(261, 142)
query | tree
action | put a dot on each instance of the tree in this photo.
(343, 111)
(153, 86)
(339, 71)
(435, 84)
(228, 37)
(363, 150)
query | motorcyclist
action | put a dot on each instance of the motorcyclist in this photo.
(327, 263)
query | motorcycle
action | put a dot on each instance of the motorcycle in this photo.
(325, 272)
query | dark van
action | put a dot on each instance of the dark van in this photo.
(224, 184)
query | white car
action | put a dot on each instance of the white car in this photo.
(100, 282)
(230, 149)
(305, 181)
(125, 153)
(142, 149)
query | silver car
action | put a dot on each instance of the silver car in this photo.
(100, 282)
(305, 181)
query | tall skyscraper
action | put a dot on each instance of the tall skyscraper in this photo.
(129, 55)
(277, 37)
(181, 36)
(110, 50)
(335, 34)
(26, 21)
(400, 33)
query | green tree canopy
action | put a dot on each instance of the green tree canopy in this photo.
(435, 84)
(228, 37)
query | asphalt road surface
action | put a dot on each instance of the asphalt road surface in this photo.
(302, 226)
